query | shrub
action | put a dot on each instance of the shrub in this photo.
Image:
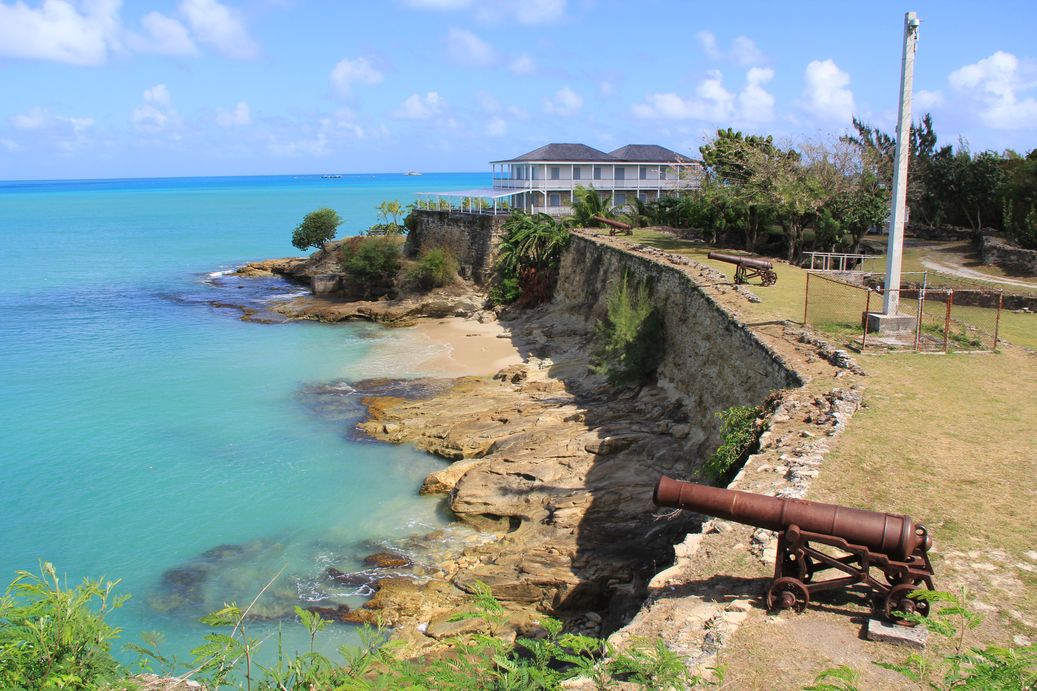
(316, 228)
(739, 432)
(528, 257)
(435, 268)
(627, 343)
(371, 260)
(52, 636)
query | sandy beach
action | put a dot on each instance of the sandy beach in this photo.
(464, 347)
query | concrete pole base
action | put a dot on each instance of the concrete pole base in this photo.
(890, 324)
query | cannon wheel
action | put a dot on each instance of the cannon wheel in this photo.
(787, 593)
(768, 277)
(897, 600)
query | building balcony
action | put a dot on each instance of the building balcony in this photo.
(566, 184)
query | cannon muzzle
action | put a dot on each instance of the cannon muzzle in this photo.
(891, 534)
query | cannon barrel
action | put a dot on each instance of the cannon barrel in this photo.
(739, 259)
(891, 534)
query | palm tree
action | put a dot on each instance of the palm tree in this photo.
(587, 204)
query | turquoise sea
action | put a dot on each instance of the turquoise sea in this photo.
(148, 436)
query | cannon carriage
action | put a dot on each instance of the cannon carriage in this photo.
(816, 539)
(748, 267)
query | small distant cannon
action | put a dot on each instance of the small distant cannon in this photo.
(614, 225)
(748, 267)
(890, 543)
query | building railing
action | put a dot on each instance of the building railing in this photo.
(565, 184)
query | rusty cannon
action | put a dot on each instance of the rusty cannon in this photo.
(814, 538)
(748, 267)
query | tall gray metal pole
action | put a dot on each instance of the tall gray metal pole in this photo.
(895, 248)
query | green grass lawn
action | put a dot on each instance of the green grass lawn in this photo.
(784, 300)
(948, 439)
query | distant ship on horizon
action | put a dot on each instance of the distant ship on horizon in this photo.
(412, 172)
(331, 177)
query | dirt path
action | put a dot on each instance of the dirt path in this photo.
(958, 270)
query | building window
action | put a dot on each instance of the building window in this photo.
(554, 199)
(621, 198)
(597, 172)
(576, 173)
(643, 196)
(621, 174)
(643, 173)
(662, 173)
(555, 172)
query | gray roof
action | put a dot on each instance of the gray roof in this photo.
(648, 153)
(564, 152)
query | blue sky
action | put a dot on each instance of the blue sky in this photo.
(100, 88)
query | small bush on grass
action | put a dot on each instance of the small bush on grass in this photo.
(435, 268)
(371, 260)
(740, 432)
(628, 342)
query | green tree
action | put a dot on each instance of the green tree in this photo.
(740, 164)
(316, 229)
(389, 213)
(587, 204)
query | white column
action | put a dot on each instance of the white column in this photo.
(895, 248)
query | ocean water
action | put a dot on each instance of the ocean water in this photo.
(149, 436)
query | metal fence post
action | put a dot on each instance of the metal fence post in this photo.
(918, 317)
(947, 321)
(864, 320)
(997, 319)
(806, 300)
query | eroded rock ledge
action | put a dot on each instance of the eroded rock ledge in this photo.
(559, 467)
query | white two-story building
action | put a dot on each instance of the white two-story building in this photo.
(544, 179)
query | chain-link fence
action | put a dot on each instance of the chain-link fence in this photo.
(929, 319)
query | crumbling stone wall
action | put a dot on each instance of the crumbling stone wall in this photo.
(711, 361)
(472, 238)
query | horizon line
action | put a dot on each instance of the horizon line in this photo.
(246, 175)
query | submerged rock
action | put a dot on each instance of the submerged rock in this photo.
(388, 560)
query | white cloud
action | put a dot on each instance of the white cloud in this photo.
(529, 12)
(239, 117)
(497, 127)
(538, 11)
(923, 99)
(465, 48)
(713, 102)
(164, 35)
(564, 102)
(416, 107)
(826, 94)
(59, 32)
(995, 86)
(33, 119)
(523, 64)
(221, 27)
(709, 45)
(156, 112)
(9, 145)
(348, 72)
(755, 104)
(744, 50)
(64, 131)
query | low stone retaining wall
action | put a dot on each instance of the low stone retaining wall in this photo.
(1009, 257)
